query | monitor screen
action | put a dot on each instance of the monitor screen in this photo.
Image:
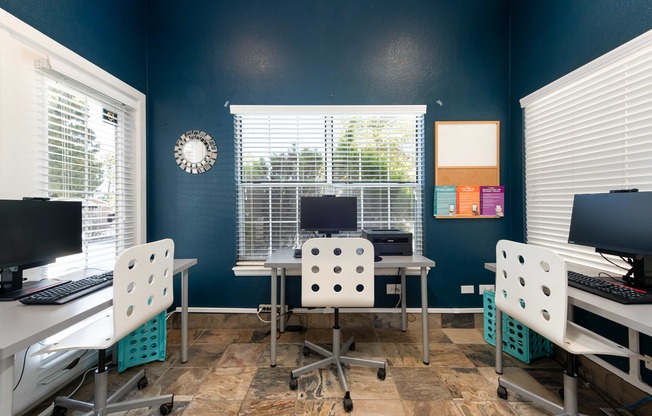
(329, 214)
(614, 223)
(36, 232)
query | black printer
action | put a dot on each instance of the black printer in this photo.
(390, 242)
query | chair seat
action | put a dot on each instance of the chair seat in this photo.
(95, 332)
(581, 341)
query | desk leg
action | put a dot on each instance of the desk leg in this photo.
(404, 322)
(424, 313)
(184, 316)
(6, 385)
(282, 314)
(499, 341)
(272, 335)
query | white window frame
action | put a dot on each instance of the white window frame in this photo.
(588, 132)
(325, 113)
(21, 40)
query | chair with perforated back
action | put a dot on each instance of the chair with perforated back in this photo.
(142, 289)
(337, 273)
(532, 288)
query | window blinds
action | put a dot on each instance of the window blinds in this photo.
(88, 155)
(588, 132)
(284, 152)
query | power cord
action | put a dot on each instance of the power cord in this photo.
(22, 370)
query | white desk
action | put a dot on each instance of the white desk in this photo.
(283, 259)
(22, 325)
(634, 317)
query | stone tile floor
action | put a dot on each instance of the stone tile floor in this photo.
(229, 373)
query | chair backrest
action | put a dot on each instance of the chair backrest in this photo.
(142, 285)
(532, 288)
(337, 272)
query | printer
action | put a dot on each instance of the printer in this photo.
(390, 242)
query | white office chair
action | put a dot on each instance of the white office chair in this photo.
(337, 272)
(142, 288)
(532, 287)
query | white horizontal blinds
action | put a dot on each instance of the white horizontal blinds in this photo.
(88, 156)
(373, 153)
(589, 132)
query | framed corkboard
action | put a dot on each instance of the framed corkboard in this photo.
(467, 153)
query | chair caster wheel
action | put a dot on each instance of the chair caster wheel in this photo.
(165, 408)
(142, 383)
(352, 347)
(381, 373)
(502, 392)
(306, 351)
(294, 383)
(59, 411)
(348, 403)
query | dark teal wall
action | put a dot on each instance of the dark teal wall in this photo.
(203, 54)
(552, 38)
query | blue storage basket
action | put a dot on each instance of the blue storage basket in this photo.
(143, 345)
(518, 340)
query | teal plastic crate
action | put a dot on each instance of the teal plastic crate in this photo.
(518, 340)
(143, 345)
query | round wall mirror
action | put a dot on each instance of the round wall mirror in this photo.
(195, 151)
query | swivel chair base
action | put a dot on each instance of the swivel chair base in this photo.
(533, 391)
(103, 405)
(336, 358)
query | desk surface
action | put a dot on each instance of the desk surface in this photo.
(24, 325)
(284, 258)
(632, 316)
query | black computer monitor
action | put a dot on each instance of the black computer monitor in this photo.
(329, 214)
(35, 233)
(618, 223)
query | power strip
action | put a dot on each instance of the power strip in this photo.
(267, 308)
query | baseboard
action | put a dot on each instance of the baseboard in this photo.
(345, 310)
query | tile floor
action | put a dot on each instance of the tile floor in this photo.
(229, 373)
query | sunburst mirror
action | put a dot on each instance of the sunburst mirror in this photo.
(195, 151)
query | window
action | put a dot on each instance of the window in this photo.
(374, 153)
(588, 132)
(87, 147)
(72, 131)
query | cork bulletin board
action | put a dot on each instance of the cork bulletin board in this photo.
(467, 152)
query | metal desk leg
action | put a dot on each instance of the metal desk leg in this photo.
(424, 313)
(499, 341)
(282, 313)
(272, 335)
(404, 322)
(184, 316)
(6, 385)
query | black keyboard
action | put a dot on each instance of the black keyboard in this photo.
(616, 291)
(66, 292)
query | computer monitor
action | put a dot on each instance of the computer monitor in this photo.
(35, 233)
(329, 214)
(617, 223)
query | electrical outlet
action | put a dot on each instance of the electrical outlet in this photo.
(466, 289)
(394, 289)
(482, 288)
(267, 308)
